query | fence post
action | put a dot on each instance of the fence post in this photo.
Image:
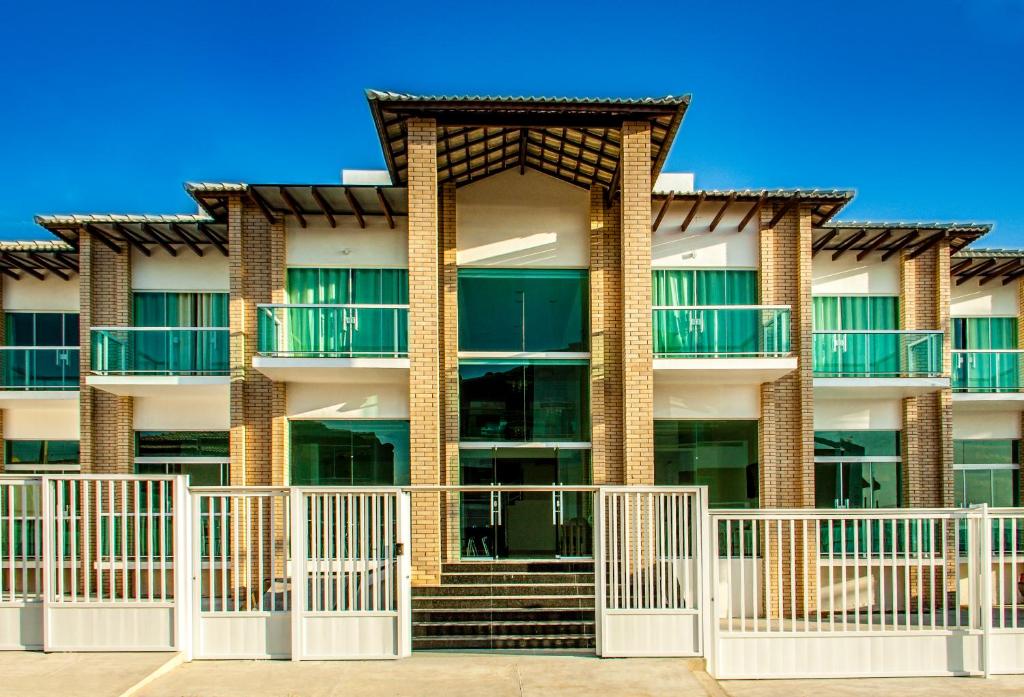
(599, 570)
(984, 576)
(404, 608)
(299, 578)
(709, 612)
(184, 571)
(46, 554)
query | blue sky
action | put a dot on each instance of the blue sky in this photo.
(109, 107)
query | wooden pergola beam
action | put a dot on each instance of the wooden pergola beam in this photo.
(974, 271)
(49, 265)
(821, 242)
(263, 206)
(325, 208)
(293, 205)
(928, 243)
(7, 272)
(693, 211)
(663, 210)
(786, 208)
(104, 237)
(187, 239)
(899, 245)
(160, 239)
(68, 262)
(14, 261)
(357, 210)
(999, 271)
(1011, 277)
(960, 265)
(754, 209)
(213, 238)
(522, 151)
(721, 212)
(848, 242)
(876, 242)
(131, 239)
(386, 207)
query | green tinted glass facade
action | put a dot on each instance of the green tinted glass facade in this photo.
(523, 310)
(524, 401)
(720, 454)
(199, 473)
(984, 354)
(348, 286)
(41, 452)
(182, 444)
(845, 475)
(349, 452)
(704, 287)
(48, 358)
(856, 443)
(856, 354)
(986, 471)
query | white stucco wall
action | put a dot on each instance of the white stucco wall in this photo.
(42, 424)
(205, 413)
(52, 294)
(857, 415)
(522, 220)
(981, 424)
(990, 300)
(678, 401)
(372, 400)
(185, 272)
(698, 247)
(847, 276)
(348, 245)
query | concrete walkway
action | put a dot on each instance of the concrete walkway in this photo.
(997, 686)
(437, 675)
(35, 674)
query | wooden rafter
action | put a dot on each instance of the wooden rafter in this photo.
(999, 271)
(293, 205)
(821, 242)
(522, 151)
(960, 266)
(875, 242)
(104, 237)
(847, 243)
(899, 244)
(928, 243)
(786, 208)
(7, 272)
(186, 237)
(55, 268)
(386, 207)
(325, 208)
(721, 212)
(214, 239)
(15, 261)
(693, 211)
(132, 239)
(754, 209)
(357, 210)
(160, 240)
(1011, 277)
(663, 210)
(974, 271)
(263, 206)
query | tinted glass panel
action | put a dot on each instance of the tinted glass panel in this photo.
(41, 329)
(182, 444)
(525, 466)
(517, 310)
(346, 453)
(857, 485)
(856, 443)
(995, 487)
(199, 474)
(41, 452)
(512, 401)
(986, 452)
(719, 454)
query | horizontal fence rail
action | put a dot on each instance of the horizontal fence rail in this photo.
(333, 331)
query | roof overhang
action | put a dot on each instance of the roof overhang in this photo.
(172, 233)
(38, 260)
(987, 265)
(890, 239)
(577, 140)
(824, 203)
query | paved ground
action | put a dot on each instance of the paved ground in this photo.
(997, 686)
(435, 675)
(33, 674)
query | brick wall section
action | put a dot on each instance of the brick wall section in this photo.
(256, 261)
(424, 361)
(449, 343)
(637, 357)
(1020, 343)
(3, 342)
(106, 420)
(927, 420)
(605, 340)
(787, 405)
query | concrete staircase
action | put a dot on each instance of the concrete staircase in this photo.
(506, 605)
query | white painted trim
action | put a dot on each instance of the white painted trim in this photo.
(825, 459)
(276, 362)
(979, 466)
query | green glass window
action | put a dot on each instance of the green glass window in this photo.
(704, 287)
(856, 312)
(344, 286)
(523, 310)
(186, 346)
(989, 451)
(199, 473)
(524, 401)
(41, 328)
(720, 454)
(41, 452)
(180, 309)
(843, 353)
(984, 358)
(182, 444)
(995, 487)
(349, 452)
(857, 443)
(525, 466)
(857, 485)
(984, 333)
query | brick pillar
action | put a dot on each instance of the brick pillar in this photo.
(605, 340)
(1020, 342)
(637, 347)
(787, 405)
(424, 362)
(927, 440)
(3, 342)
(448, 340)
(256, 260)
(106, 420)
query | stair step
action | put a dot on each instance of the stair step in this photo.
(551, 566)
(502, 589)
(501, 602)
(424, 616)
(458, 578)
(523, 629)
(506, 642)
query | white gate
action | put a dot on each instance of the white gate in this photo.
(21, 579)
(301, 573)
(652, 571)
(114, 575)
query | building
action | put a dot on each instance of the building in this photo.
(481, 314)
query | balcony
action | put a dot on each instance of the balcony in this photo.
(147, 361)
(727, 344)
(889, 363)
(986, 379)
(333, 343)
(39, 376)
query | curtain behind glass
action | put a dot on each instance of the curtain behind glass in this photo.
(705, 332)
(857, 354)
(180, 351)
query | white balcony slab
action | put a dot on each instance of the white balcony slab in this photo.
(882, 388)
(38, 399)
(160, 385)
(320, 370)
(724, 371)
(988, 401)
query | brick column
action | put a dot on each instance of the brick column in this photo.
(1020, 342)
(786, 431)
(256, 261)
(637, 347)
(3, 342)
(927, 440)
(424, 362)
(106, 420)
(449, 343)
(605, 340)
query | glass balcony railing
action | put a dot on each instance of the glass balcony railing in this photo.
(334, 331)
(881, 353)
(160, 350)
(39, 367)
(987, 370)
(721, 331)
